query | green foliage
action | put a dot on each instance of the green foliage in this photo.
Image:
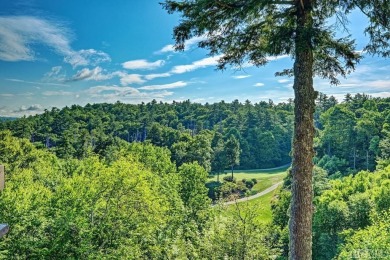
(192, 188)
(248, 183)
(191, 131)
(232, 151)
(86, 208)
(351, 204)
(372, 242)
(229, 178)
(353, 135)
(239, 236)
(218, 163)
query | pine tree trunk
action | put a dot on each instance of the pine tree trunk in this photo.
(302, 166)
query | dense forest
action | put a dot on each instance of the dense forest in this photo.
(114, 180)
(351, 136)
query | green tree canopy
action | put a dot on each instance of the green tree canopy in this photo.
(232, 151)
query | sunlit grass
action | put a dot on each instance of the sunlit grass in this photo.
(265, 178)
(261, 206)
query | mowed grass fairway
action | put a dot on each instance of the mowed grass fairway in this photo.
(261, 205)
(265, 178)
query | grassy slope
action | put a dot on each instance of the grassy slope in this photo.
(262, 205)
(265, 178)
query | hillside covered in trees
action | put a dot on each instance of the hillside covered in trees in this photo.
(351, 136)
(120, 180)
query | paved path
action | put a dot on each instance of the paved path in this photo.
(268, 190)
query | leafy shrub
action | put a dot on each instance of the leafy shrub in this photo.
(229, 179)
(248, 183)
(241, 187)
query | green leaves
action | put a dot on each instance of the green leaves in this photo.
(349, 217)
(86, 208)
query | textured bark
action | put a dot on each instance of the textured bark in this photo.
(300, 226)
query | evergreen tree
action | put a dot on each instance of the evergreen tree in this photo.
(232, 151)
(241, 31)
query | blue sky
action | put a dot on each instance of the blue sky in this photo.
(64, 52)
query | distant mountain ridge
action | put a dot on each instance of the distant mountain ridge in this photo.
(6, 118)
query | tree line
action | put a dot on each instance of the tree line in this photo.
(350, 136)
(191, 131)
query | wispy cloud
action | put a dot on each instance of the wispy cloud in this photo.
(54, 71)
(284, 80)
(188, 44)
(178, 84)
(115, 89)
(58, 93)
(56, 74)
(86, 57)
(158, 75)
(167, 48)
(271, 58)
(127, 94)
(203, 63)
(180, 69)
(96, 74)
(259, 84)
(18, 35)
(241, 76)
(35, 107)
(372, 84)
(142, 64)
(127, 79)
(37, 82)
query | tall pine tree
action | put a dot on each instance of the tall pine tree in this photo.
(252, 30)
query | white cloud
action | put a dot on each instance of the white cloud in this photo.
(37, 83)
(206, 62)
(57, 93)
(361, 85)
(283, 80)
(54, 71)
(19, 34)
(188, 44)
(259, 84)
(142, 64)
(126, 94)
(168, 48)
(115, 89)
(94, 74)
(86, 57)
(129, 78)
(178, 84)
(7, 95)
(35, 107)
(159, 75)
(384, 94)
(241, 76)
(271, 58)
